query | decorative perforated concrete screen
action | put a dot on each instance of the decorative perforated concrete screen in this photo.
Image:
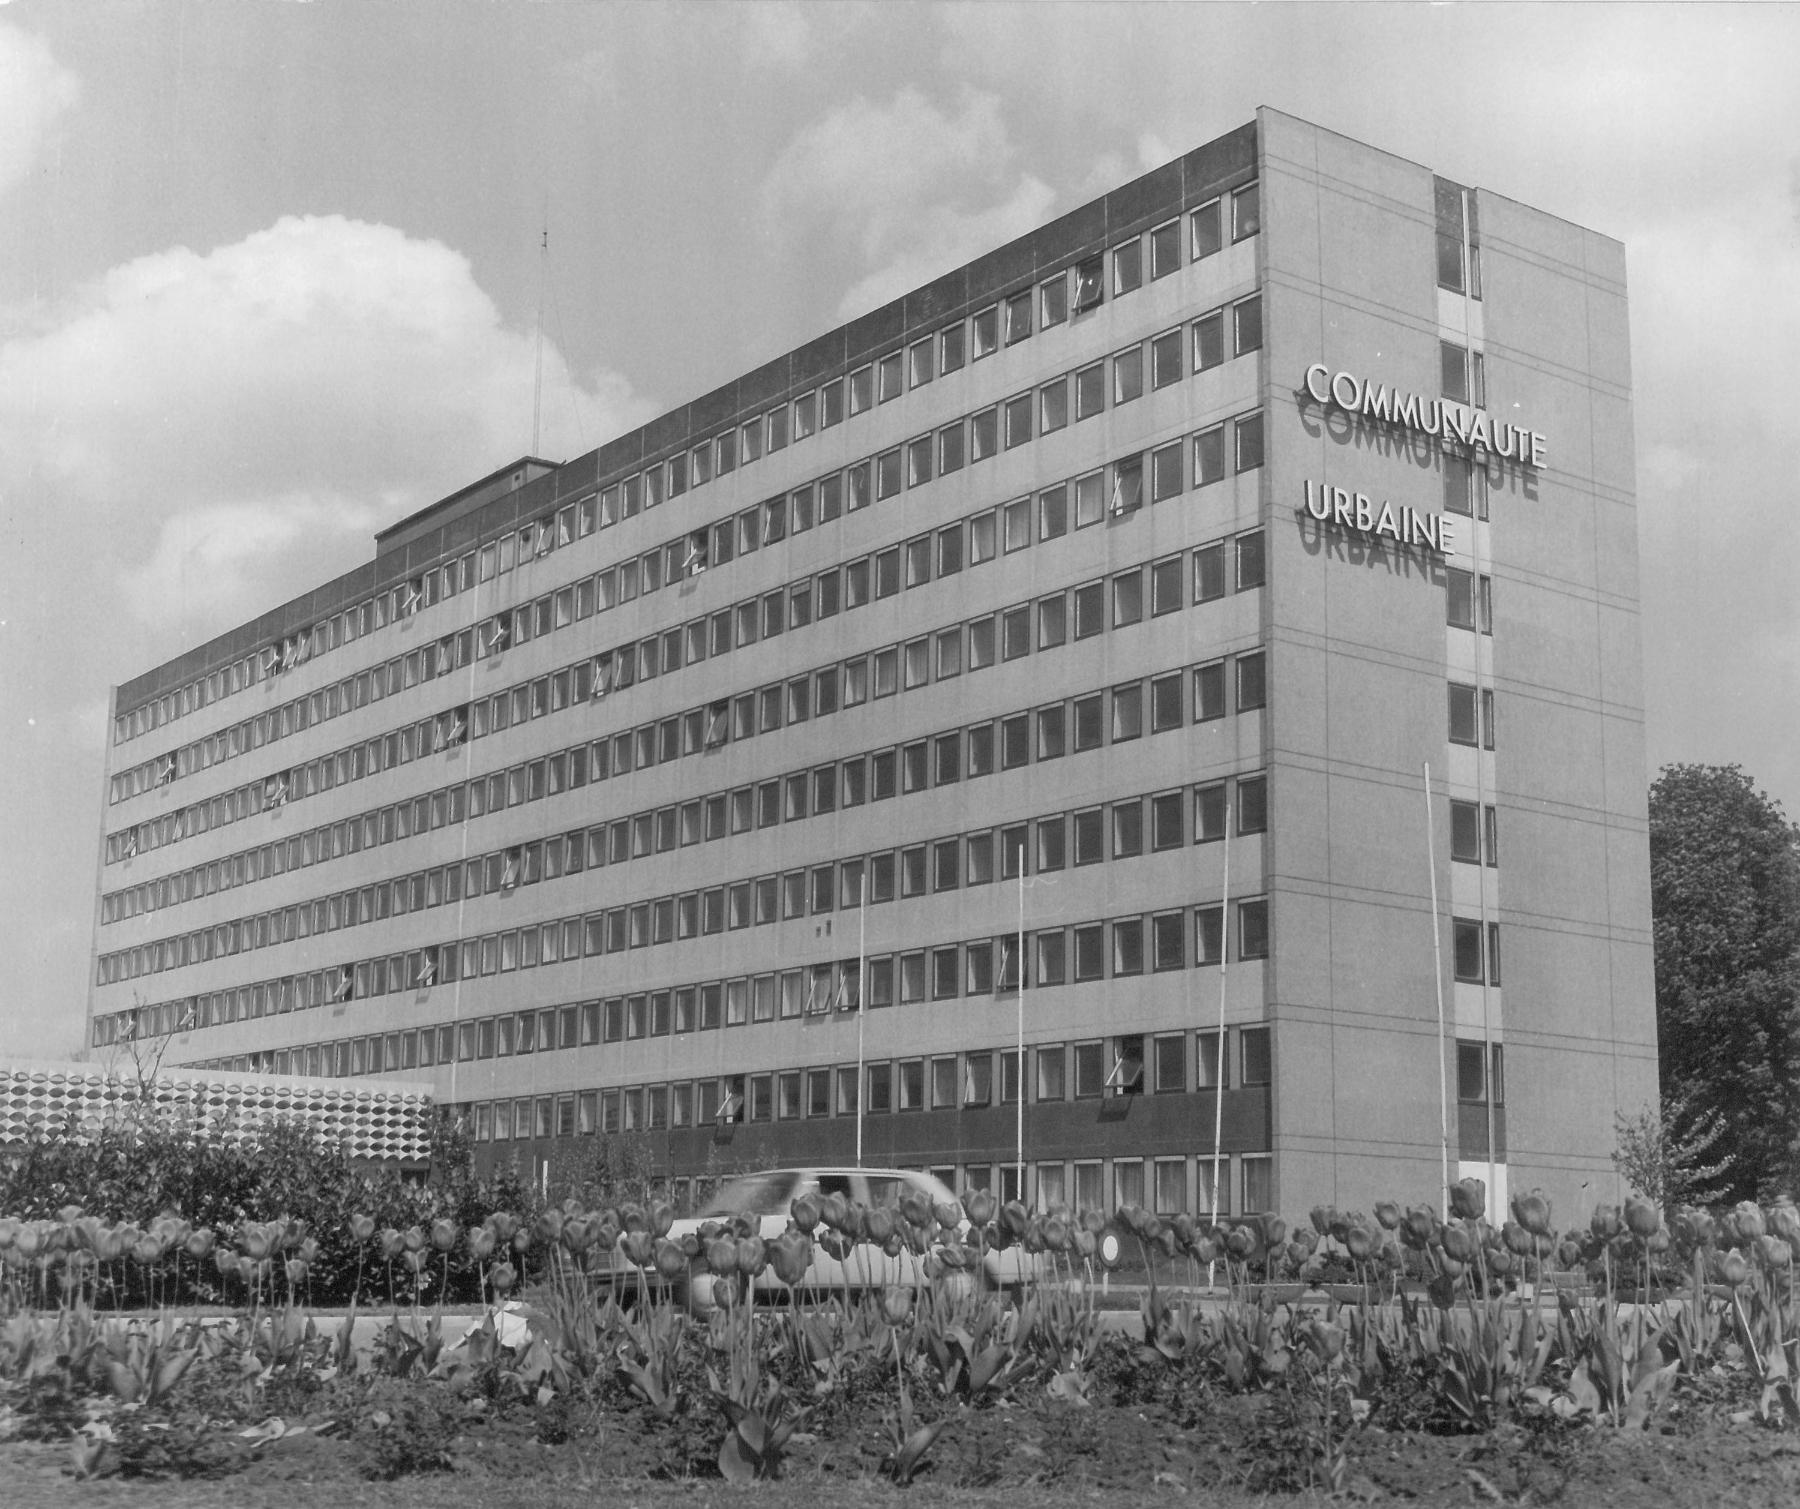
(377, 1119)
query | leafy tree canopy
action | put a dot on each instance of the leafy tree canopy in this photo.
(1725, 894)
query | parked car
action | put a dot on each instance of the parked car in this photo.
(766, 1202)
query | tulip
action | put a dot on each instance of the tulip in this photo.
(896, 1304)
(1458, 1244)
(1774, 1252)
(296, 1272)
(1240, 1242)
(225, 1263)
(1321, 1217)
(1014, 1217)
(1749, 1218)
(790, 1255)
(1207, 1250)
(246, 1271)
(253, 1241)
(1642, 1219)
(1730, 1268)
(503, 1277)
(915, 1206)
(362, 1227)
(1360, 1242)
(1387, 1213)
(504, 1222)
(1532, 1212)
(415, 1259)
(481, 1243)
(638, 1248)
(69, 1214)
(804, 1213)
(549, 1223)
(662, 1217)
(522, 1240)
(147, 1250)
(949, 1214)
(722, 1255)
(671, 1261)
(878, 1225)
(1468, 1199)
(414, 1238)
(1084, 1242)
(443, 1234)
(199, 1243)
(1325, 1340)
(1784, 1219)
(979, 1206)
(1417, 1228)
(579, 1234)
(633, 1217)
(1606, 1223)
(723, 1291)
(1274, 1230)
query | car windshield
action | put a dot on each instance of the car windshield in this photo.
(759, 1195)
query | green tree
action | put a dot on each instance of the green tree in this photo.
(1725, 895)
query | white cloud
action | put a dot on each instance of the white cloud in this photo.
(775, 34)
(945, 237)
(212, 419)
(34, 90)
(910, 188)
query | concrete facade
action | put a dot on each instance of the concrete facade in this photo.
(601, 756)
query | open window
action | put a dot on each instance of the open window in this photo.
(1126, 1076)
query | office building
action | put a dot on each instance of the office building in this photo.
(1072, 649)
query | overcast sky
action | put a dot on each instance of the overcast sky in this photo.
(269, 276)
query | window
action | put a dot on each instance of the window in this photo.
(1246, 218)
(951, 347)
(1465, 832)
(1090, 391)
(1018, 420)
(1253, 929)
(1251, 561)
(1246, 325)
(1459, 587)
(1053, 300)
(1053, 405)
(1205, 234)
(1090, 283)
(1165, 821)
(1209, 691)
(1090, 608)
(1209, 456)
(986, 328)
(951, 453)
(918, 461)
(1165, 249)
(921, 367)
(1252, 682)
(1127, 712)
(1090, 1073)
(1493, 953)
(984, 432)
(1128, 375)
(1454, 362)
(1209, 340)
(1128, 598)
(1018, 317)
(1466, 933)
(1128, 267)
(889, 382)
(1052, 630)
(1051, 1082)
(1165, 472)
(1471, 1072)
(1252, 804)
(1248, 433)
(1464, 727)
(1050, 732)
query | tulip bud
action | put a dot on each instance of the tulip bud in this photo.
(1468, 1199)
(1084, 1242)
(503, 1276)
(979, 1206)
(915, 1206)
(199, 1243)
(1749, 1217)
(1324, 1339)
(790, 1255)
(671, 1261)
(1773, 1251)
(443, 1234)
(662, 1217)
(1642, 1218)
(878, 1224)
(1784, 1220)
(362, 1227)
(481, 1243)
(414, 1238)
(1532, 1212)
(1240, 1242)
(296, 1272)
(1387, 1213)
(69, 1214)
(724, 1292)
(638, 1247)
(549, 1223)
(1606, 1223)
(896, 1304)
(804, 1213)
(522, 1240)
(633, 1217)
(721, 1256)
(1458, 1244)
(1730, 1267)
(752, 1256)
(1321, 1217)
(949, 1214)
(1418, 1226)
(504, 1222)
(1361, 1243)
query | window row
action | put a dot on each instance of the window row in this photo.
(1119, 830)
(1126, 947)
(1115, 602)
(1114, 492)
(1072, 726)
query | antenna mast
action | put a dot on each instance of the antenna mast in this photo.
(537, 381)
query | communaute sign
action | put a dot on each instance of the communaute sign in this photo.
(1443, 418)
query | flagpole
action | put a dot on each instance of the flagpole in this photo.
(1019, 1102)
(862, 1000)
(1437, 959)
(1221, 1066)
